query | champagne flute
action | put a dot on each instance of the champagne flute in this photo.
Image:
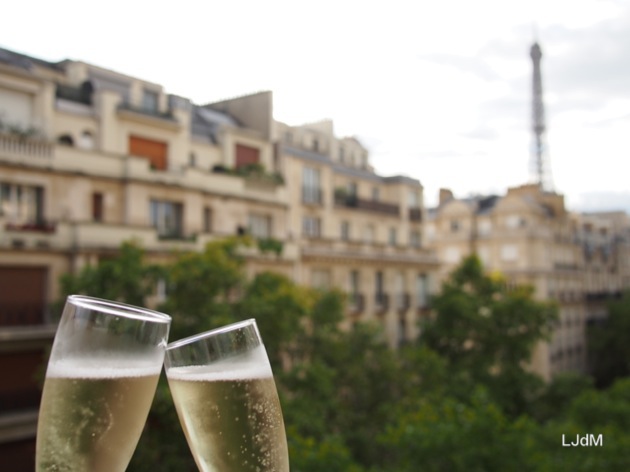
(100, 381)
(226, 400)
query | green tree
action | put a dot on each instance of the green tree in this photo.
(486, 331)
(279, 307)
(126, 277)
(442, 434)
(202, 287)
(605, 413)
(608, 346)
(556, 398)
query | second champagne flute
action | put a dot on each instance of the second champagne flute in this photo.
(226, 399)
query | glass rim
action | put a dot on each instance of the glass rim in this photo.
(212, 332)
(118, 308)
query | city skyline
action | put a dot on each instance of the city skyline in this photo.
(440, 97)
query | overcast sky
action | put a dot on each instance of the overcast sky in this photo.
(439, 91)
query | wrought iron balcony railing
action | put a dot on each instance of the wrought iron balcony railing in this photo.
(312, 195)
(352, 201)
(164, 115)
(403, 301)
(356, 302)
(381, 302)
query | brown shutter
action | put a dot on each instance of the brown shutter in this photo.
(246, 155)
(154, 151)
(22, 295)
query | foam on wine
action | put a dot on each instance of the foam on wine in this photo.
(253, 365)
(100, 369)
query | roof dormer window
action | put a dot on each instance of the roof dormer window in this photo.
(150, 100)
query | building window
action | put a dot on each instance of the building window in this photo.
(160, 290)
(484, 255)
(354, 283)
(342, 155)
(455, 226)
(422, 290)
(402, 331)
(484, 227)
(393, 237)
(451, 255)
(320, 278)
(21, 204)
(150, 100)
(509, 252)
(380, 298)
(207, 220)
(352, 189)
(413, 199)
(315, 145)
(311, 189)
(375, 194)
(97, 206)
(414, 238)
(515, 221)
(311, 227)
(86, 141)
(378, 282)
(259, 226)
(399, 288)
(430, 232)
(192, 159)
(65, 140)
(166, 217)
(369, 234)
(345, 230)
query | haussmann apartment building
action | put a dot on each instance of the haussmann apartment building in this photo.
(90, 158)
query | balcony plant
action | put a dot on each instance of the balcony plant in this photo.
(270, 245)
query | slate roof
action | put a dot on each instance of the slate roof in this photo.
(206, 122)
(25, 62)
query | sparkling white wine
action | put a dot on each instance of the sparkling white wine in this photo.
(91, 419)
(232, 419)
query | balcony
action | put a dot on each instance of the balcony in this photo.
(403, 301)
(423, 303)
(356, 302)
(41, 226)
(253, 175)
(164, 115)
(352, 201)
(20, 145)
(381, 302)
(357, 250)
(415, 214)
(81, 94)
(164, 119)
(22, 314)
(565, 266)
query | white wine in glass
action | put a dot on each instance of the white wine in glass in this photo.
(100, 381)
(226, 399)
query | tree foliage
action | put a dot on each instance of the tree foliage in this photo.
(486, 331)
(609, 349)
(126, 277)
(461, 399)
